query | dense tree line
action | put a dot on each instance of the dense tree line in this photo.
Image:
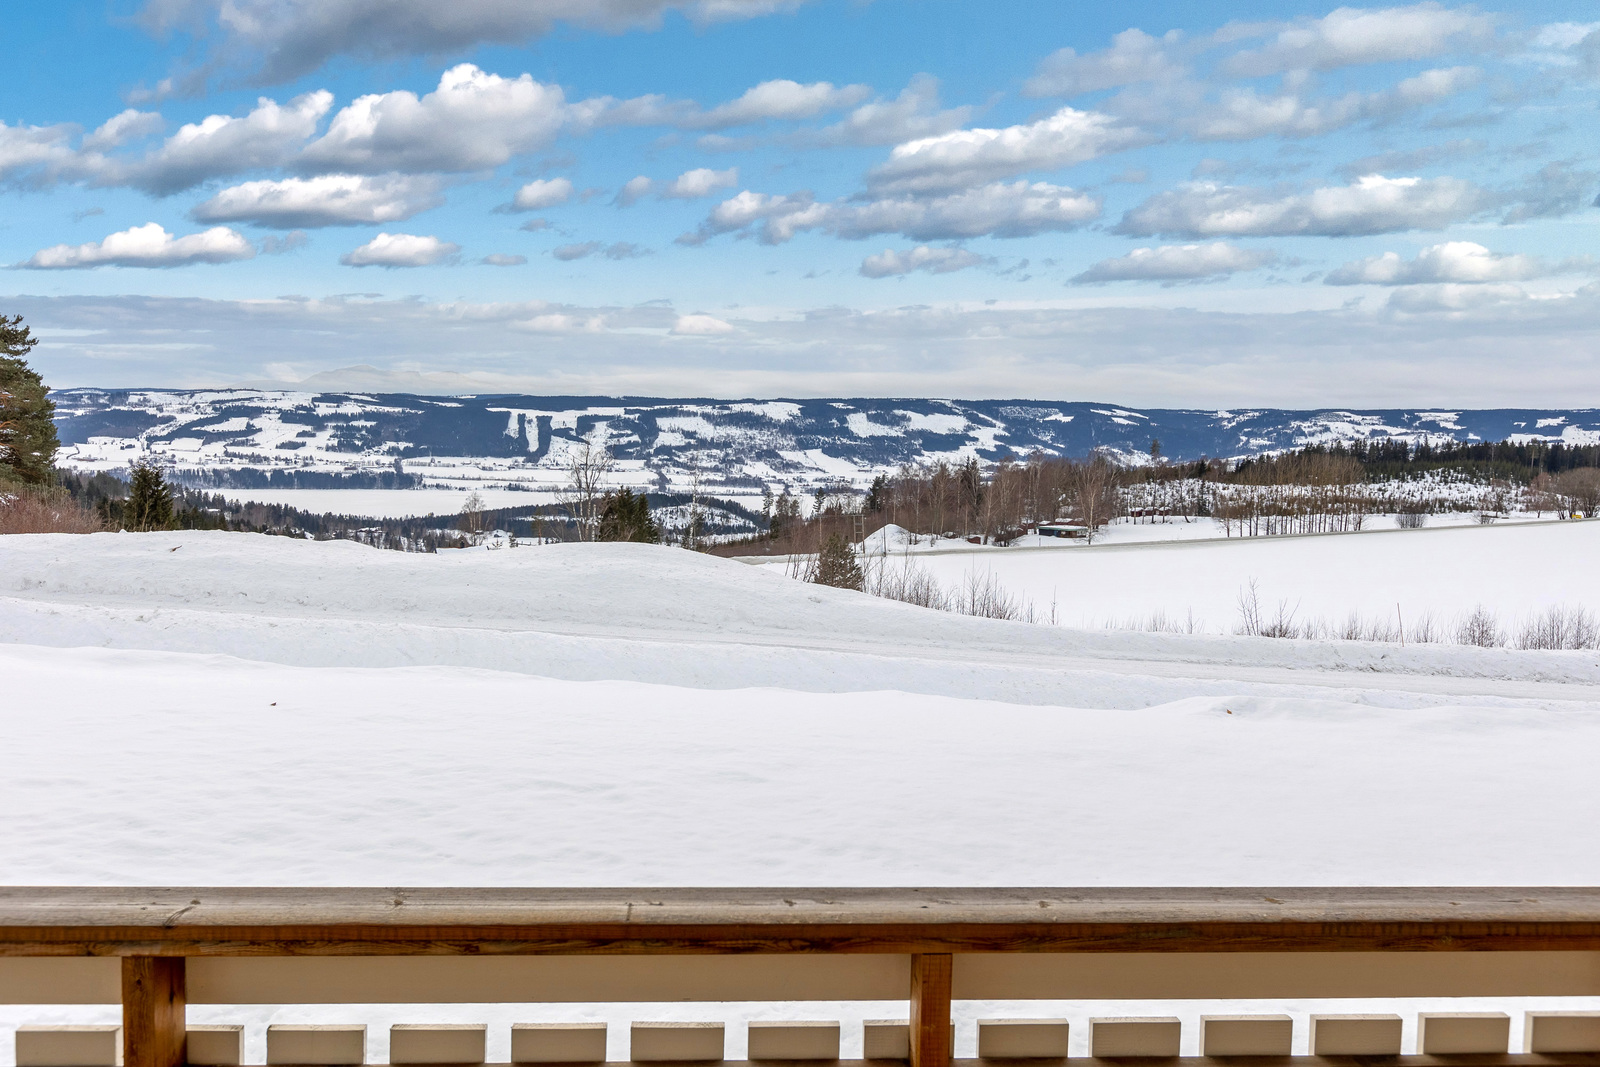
(1317, 489)
(1387, 459)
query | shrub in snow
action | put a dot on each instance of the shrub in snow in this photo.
(1480, 628)
(909, 584)
(1559, 627)
(1411, 517)
(1256, 621)
(31, 511)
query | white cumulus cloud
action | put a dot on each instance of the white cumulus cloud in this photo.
(780, 99)
(702, 181)
(400, 250)
(891, 263)
(1454, 261)
(700, 326)
(474, 120)
(39, 153)
(965, 158)
(1134, 56)
(146, 246)
(633, 190)
(1351, 36)
(561, 322)
(121, 128)
(326, 200)
(913, 114)
(1173, 263)
(1000, 209)
(1242, 114)
(221, 145)
(542, 193)
(1370, 205)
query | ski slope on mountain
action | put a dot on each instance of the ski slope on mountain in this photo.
(211, 708)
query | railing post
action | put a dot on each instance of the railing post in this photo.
(154, 1030)
(930, 1010)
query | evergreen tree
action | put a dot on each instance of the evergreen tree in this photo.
(837, 566)
(626, 517)
(875, 496)
(785, 515)
(149, 503)
(28, 442)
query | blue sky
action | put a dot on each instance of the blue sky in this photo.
(1180, 204)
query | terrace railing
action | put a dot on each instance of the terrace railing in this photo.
(155, 951)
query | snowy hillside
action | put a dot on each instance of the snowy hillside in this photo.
(629, 714)
(250, 439)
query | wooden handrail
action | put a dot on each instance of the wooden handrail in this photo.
(343, 921)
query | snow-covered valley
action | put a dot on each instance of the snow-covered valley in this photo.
(403, 454)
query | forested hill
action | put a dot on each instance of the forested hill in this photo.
(312, 439)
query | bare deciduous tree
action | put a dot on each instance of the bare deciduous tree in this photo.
(1580, 489)
(696, 519)
(1092, 486)
(588, 468)
(472, 515)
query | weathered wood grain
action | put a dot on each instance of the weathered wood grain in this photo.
(931, 976)
(224, 921)
(154, 1028)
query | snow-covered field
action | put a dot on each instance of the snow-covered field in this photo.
(389, 503)
(213, 708)
(618, 714)
(1184, 574)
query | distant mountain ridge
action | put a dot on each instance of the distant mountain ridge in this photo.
(265, 437)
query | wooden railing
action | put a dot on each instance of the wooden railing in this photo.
(155, 951)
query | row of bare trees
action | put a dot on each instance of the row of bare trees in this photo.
(944, 499)
(961, 501)
(1575, 492)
